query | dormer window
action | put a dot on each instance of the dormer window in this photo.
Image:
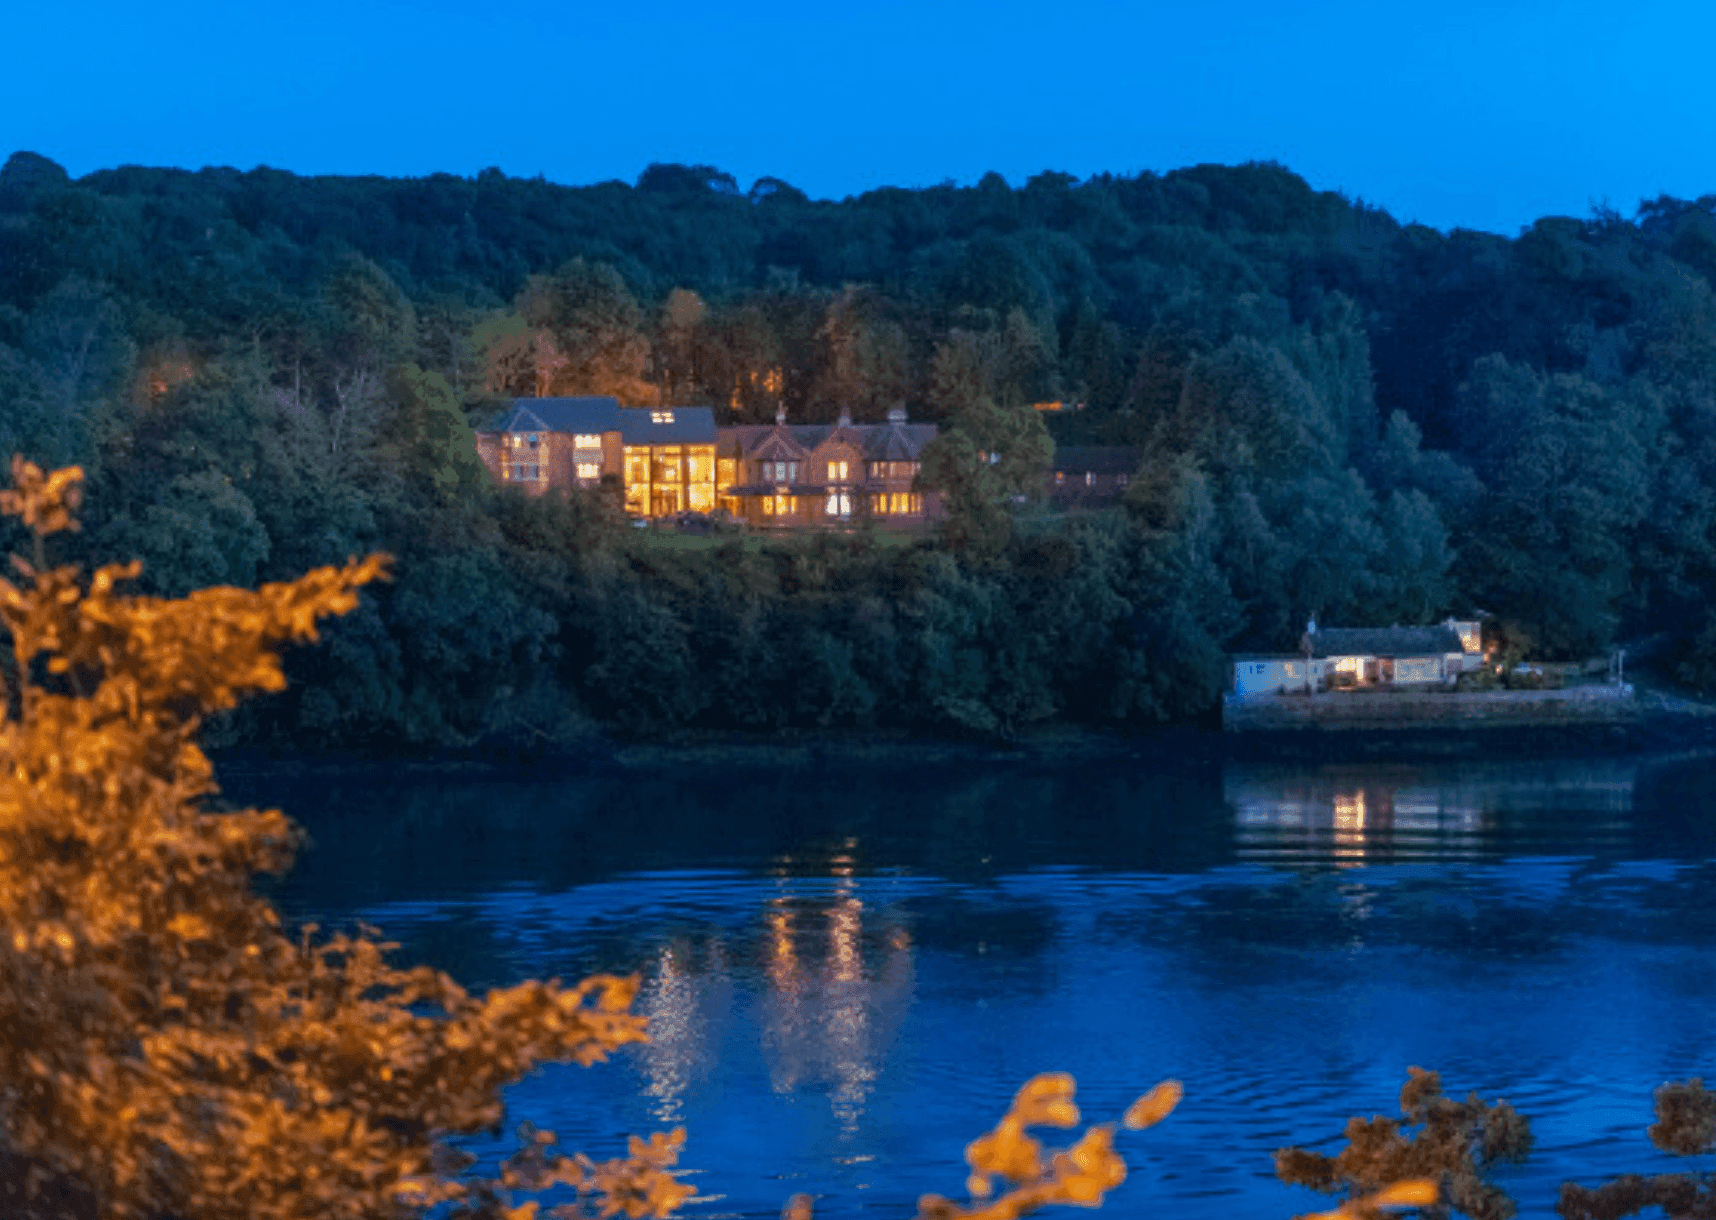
(661, 417)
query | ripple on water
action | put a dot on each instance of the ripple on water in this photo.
(841, 1016)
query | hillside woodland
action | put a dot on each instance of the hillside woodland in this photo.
(1340, 414)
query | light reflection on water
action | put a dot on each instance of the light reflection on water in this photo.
(839, 1008)
(1353, 814)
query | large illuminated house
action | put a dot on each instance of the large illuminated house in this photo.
(785, 475)
(663, 458)
(669, 460)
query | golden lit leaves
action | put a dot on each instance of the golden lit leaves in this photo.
(1080, 1175)
(169, 1050)
(45, 502)
(1413, 1192)
(1154, 1106)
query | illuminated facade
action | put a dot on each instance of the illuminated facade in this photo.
(803, 475)
(1363, 656)
(668, 460)
(662, 459)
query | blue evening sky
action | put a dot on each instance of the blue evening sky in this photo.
(1462, 113)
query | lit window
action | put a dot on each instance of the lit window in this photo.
(587, 440)
(1090, 478)
(589, 470)
(839, 504)
(1060, 477)
(661, 417)
(724, 469)
(837, 472)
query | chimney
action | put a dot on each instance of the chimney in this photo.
(780, 417)
(845, 417)
(897, 414)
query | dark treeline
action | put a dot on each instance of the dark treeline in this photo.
(1340, 415)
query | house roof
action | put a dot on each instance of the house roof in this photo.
(636, 425)
(1097, 459)
(689, 426)
(1383, 641)
(892, 442)
(594, 414)
(897, 442)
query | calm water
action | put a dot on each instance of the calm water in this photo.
(848, 974)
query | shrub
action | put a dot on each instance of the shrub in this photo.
(169, 1049)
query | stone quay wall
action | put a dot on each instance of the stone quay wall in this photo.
(1385, 709)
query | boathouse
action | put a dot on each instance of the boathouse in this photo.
(1343, 657)
(1387, 656)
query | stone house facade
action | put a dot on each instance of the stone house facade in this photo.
(668, 460)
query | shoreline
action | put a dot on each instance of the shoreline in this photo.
(1663, 723)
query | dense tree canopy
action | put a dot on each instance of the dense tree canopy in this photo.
(1339, 415)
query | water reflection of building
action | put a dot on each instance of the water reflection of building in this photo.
(836, 978)
(1353, 813)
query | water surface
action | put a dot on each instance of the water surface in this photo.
(848, 973)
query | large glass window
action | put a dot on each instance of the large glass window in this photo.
(839, 504)
(587, 440)
(589, 470)
(837, 472)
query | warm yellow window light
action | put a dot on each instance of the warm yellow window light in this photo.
(587, 440)
(589, 470)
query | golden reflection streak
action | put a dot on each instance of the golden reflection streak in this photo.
(823, 1014)
(675, 1042)
(1350, 818)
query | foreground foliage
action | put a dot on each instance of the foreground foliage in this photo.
(169, 1049)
